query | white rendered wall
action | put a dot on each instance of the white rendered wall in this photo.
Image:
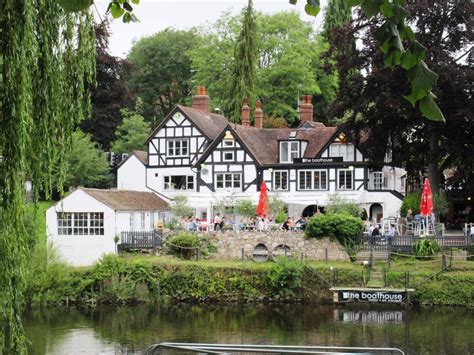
(131, 175)
(81, 250)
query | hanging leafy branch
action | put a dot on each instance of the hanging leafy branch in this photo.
(117, 8)
(399, 48)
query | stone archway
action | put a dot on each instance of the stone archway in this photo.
(311, 210)
(376, 212)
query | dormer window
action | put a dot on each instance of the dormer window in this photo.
(346, 151)
(289, 151)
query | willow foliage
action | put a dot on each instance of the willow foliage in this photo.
(47, 65)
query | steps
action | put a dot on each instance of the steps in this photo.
(376, 278)
(376, 255)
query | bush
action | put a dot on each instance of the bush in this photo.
(342, 226)
(424, 249)
(337, 204)
(183, 244)
(281, 217)
(285, 276)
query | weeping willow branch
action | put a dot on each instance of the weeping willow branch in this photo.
(46, 67)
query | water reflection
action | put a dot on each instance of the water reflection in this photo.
(131, 330)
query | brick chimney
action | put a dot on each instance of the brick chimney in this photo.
(245, 113)
(201, 100)
(306, 109)
(258, 115)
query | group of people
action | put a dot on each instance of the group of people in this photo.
(290, 223)
(374, 232)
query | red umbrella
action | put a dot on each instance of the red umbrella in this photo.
(263, 207)
(426, 205)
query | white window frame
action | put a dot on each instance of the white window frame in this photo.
(131, 221)
(80, 223)
(189, 181)
(312, 174)
(171, 147)
(224, 179)
(228, 152)
(278, 181)
(142, 220)
(152, 220)
(292, 153)
(338, 179)
(345, 151)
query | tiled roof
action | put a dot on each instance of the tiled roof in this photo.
(210, 125)
(141, 155)
(125, 200)
(263, 143)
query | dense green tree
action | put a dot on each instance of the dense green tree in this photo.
(289, 62)
(131, 133)
(375, 104)
(337, 15)
(244, 71)
(87, 165)
(111, 93)
(161, 74)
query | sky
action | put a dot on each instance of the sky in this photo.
(156, 15)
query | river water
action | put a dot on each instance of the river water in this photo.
(130, 330)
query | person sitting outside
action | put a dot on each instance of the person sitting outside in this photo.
(222, 224)
(192, 227)
(301, 223)
(392, 232)
(217, 221)
(375, 234)
(288, 224)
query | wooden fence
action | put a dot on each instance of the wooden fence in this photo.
(404, 243)
(140, 239)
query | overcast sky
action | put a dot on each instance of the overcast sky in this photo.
(156, 15)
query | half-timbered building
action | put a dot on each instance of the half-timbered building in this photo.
(203, 156)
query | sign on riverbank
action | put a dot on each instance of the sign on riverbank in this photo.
(371, 295)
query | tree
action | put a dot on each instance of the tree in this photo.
(111, 93)
(45, 73)
(131, 133)
(161, 74)
(180, 207)
(289, 62)
(375, 104)
(244, 73)
(87, 165)
(337, 15)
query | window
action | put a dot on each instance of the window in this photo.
(178, 148)
(152, 220)
(132, 221)
(80, 223)
(346, 151)
(142, 220)
(280, 180)
(228, 156)
(178, 182)
(96, 223)
(228, 181)
(289, 151)
(344, 179)
(64, 223)
(228, 143)
(313, 180)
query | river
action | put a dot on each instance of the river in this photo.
(130, 330)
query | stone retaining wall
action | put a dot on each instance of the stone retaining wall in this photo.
(230, 245)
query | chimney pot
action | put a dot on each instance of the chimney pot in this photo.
(245, 113)
(306, 109)
(258, 115)
(201, 100)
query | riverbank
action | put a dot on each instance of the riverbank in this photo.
(136, 279)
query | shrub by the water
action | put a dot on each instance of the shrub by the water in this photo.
(285, 276)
